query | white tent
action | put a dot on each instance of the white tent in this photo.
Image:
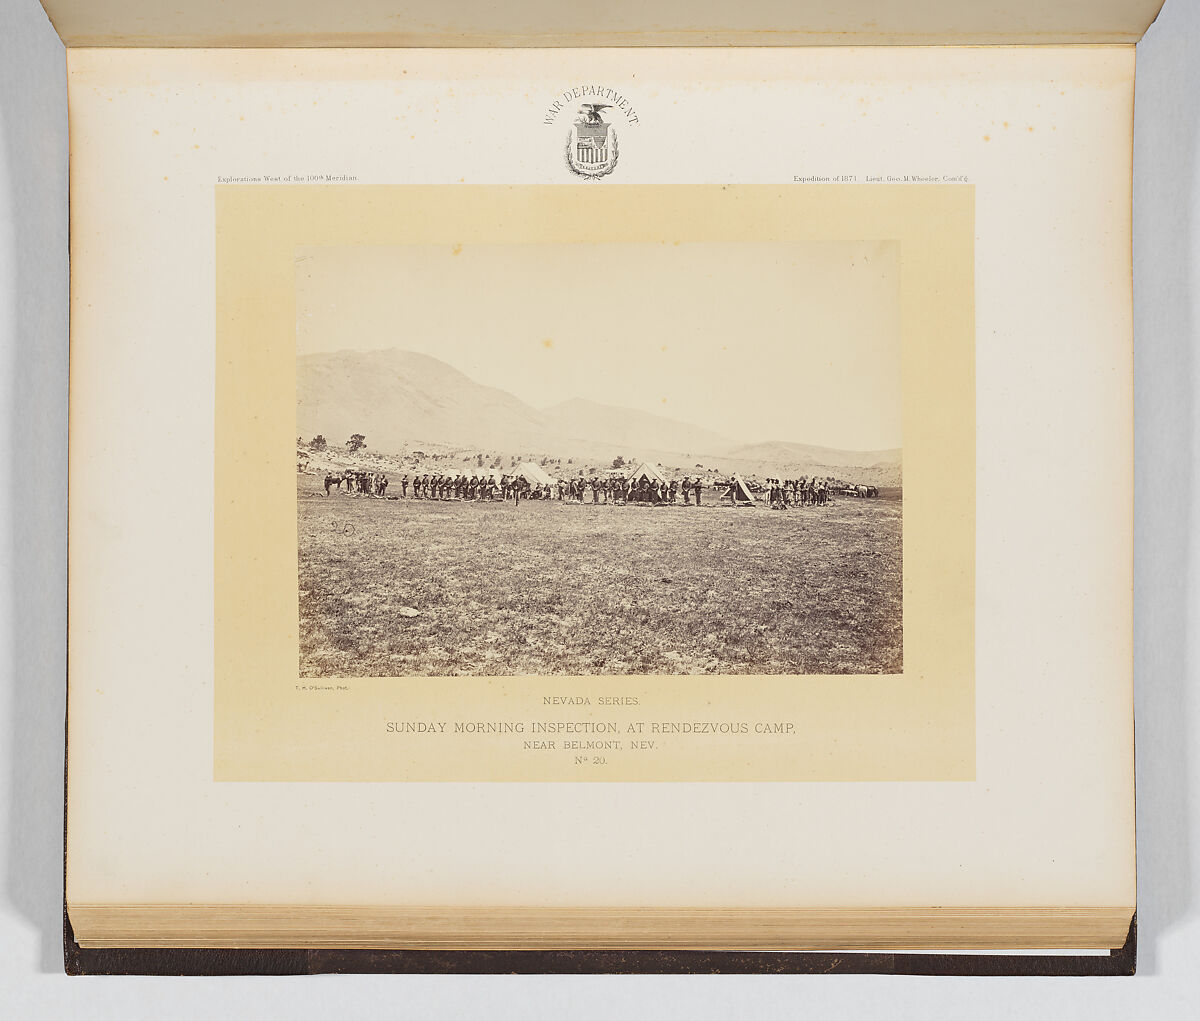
(739, 492)
(534, 474)
(649, 471)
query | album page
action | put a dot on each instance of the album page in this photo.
(606, 478)
(477, 23)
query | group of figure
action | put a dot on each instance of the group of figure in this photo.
(462, 487)
(620, 490)
(783, 493)
(358, 482)
(802, 492)
(615, 490)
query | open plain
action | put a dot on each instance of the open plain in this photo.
(392, 588)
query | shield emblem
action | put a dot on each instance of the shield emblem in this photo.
(592, 144)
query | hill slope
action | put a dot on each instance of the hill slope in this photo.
(403, 401)
(397, 398)
(776, 457)
(632, 431)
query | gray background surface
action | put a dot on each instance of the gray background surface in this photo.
(33, 417)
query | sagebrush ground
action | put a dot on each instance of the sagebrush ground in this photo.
(553, 588)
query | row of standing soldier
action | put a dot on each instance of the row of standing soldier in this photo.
(783, 493)
(620, 490)
(616, 490)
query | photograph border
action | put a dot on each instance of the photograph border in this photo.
(919, 725)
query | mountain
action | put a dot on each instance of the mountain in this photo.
(634, 431)
(870, 467)
(401, 401)
(397, 398)
(400, 398)
(780, 452)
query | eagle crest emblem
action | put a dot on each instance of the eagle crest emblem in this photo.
(592, 144)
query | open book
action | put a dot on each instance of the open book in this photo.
(545, 496)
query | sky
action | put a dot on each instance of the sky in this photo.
(775, 340)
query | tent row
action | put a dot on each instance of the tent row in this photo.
(536, 475)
